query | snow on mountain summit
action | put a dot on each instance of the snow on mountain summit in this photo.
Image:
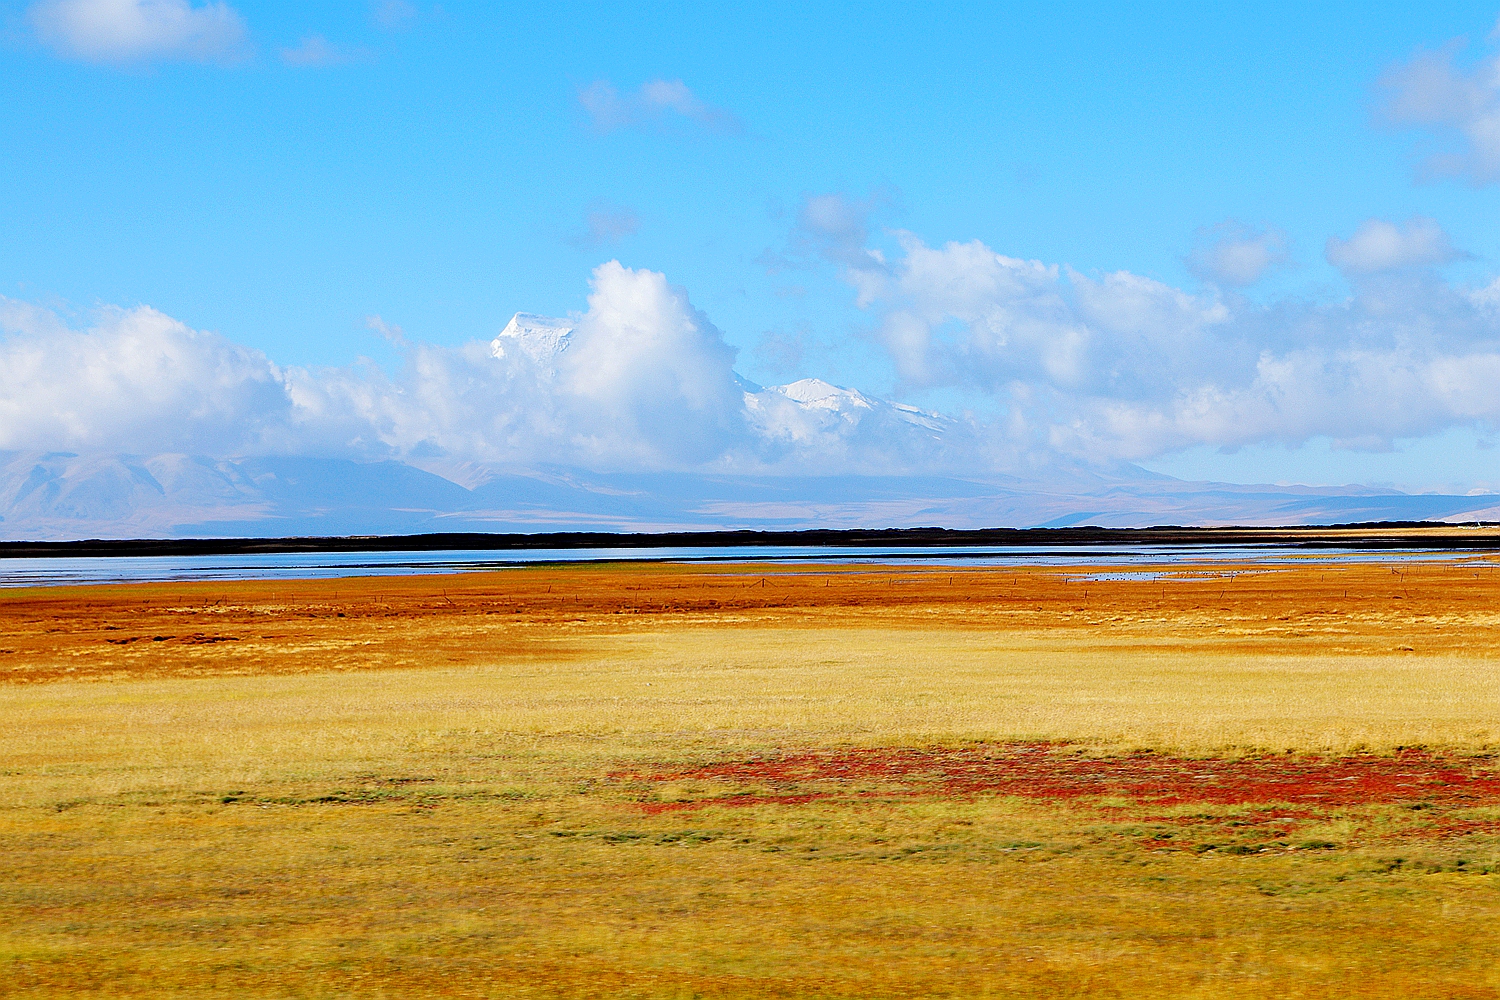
(823, 395)
(815, 394)
(541, 338)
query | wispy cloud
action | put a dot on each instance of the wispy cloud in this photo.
(124, 31)
(778, 353)
(657, 104)
(1459, 104)
(835, 228)
(1383, 246)
(605, 224)
(1234, 254)
(393, 15)
(315, 51)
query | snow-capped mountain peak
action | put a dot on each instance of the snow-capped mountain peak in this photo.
(813, 395)
(823, 395)
(541, 338)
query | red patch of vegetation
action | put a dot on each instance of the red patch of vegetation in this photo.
(1045, 771)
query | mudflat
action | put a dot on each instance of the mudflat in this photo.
(740, 780)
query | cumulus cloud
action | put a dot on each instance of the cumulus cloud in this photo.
(641, 380)
(1232, 253)
(1361, 398)
(1383, 246)
(137, 378)
(1121, 366)
(140, 30)
(1072, 366)
(649, 373)
(657, 104)
(1460, 105)
(964, 315)
(605, 224)
(648, 382)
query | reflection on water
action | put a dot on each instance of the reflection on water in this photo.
(24, 572)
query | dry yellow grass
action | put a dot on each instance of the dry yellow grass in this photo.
(493, 786)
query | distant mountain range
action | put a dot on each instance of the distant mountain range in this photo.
(63, 496)
(60, 496)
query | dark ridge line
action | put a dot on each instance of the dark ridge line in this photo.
(1294, 537)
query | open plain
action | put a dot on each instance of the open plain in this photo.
(738, 780)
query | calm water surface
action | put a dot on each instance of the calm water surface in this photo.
(1119, 560)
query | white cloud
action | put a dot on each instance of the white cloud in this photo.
(647, 382)
(643, 381)
(138, 379)
(1232, 253)
(648, 376)
(1383, 246)
(1361, 398)
(1461, 105)
(1103, 368)
(965, 315)
(1121, 366)
(140, 30)
(658, 103)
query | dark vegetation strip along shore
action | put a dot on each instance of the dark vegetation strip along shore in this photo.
(1371, 535)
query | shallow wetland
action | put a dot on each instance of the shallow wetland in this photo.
(747, 780)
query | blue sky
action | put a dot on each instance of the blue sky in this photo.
(313, 165)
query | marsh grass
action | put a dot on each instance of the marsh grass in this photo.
(511, 810)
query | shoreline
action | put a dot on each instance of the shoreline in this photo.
(1367, 535)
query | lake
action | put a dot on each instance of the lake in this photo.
(64, 570)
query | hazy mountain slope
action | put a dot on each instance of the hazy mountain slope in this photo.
(59, 496)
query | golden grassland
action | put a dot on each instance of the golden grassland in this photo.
(743, 781)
